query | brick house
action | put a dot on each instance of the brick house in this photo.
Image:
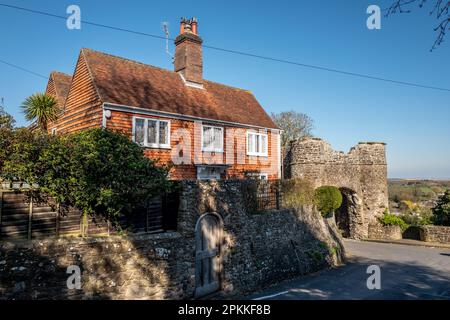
(205, 129)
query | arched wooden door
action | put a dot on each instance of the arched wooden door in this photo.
(208, 264)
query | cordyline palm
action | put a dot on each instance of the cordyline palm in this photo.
(41, 108)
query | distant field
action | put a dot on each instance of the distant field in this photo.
(418, 191)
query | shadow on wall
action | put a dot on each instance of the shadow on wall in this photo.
(349, 216)
(261, 249)
(255, 251)
(139, 267)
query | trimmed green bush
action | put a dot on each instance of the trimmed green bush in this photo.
(389, 219)
(327, 199)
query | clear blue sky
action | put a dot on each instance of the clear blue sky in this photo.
(413, 122)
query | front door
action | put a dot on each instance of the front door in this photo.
(208, 261)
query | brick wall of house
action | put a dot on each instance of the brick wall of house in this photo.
(239, 162)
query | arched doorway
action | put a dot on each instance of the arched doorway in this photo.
(348, 216)
(208, 262)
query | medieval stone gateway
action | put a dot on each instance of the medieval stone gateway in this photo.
(361, 175)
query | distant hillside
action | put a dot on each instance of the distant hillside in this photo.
(424, 192)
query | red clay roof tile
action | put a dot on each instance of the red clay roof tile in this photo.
(130, 83)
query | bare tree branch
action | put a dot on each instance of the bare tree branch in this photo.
(441, 11)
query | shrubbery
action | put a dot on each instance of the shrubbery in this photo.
(327, 199)
(297, 192)
(393, 220)
(441, 211)
(97, 171)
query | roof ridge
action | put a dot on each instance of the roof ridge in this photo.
(61, 73)
(159, 68)
(128, 60)
(228, 86)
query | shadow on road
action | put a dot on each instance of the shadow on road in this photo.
(422, 277)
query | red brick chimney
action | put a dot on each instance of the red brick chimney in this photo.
(188, 52)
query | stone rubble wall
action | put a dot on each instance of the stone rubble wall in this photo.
(258, 250)
(380, 232)
(435, 234)
(363, 171)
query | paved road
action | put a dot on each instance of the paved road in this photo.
(407, 272)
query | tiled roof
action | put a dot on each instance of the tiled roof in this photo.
(130, 83)
(62, 84)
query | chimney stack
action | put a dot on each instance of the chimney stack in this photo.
(188, 52)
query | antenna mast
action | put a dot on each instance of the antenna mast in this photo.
(165, 26)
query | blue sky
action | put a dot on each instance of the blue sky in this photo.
(413, 122)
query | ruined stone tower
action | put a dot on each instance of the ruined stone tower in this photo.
(361, 175)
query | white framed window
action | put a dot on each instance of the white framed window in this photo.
(54, 131)
(257, 144)
(212, 139)
(152, 133)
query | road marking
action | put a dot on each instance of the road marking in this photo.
(272, 296)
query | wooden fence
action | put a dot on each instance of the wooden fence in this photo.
(22, 217)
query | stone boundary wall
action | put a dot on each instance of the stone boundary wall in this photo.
(381, 232)
(361, 174)
(257, 250)
(435, 234)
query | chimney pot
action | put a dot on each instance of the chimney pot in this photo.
(188, 52)
(182, 25)
(194, 26)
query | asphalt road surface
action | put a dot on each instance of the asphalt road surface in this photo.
(407, 272)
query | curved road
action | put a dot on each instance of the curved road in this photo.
(407, 272)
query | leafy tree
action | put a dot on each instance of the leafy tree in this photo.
(6, 133)
(104, 173)
(327, 199)
(41, 108)
(440, 9)
(97, 171)
(442, 210)
(295, 125)
(21, 154)
(6, 120)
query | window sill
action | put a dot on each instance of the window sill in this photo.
(213, 151)
(258, 155)
(156, 147)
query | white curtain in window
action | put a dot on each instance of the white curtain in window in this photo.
(151, 131)
(163, 133)
(207, 138)
(139, 133)
(218, 140)
(263, 144)
(257, 143)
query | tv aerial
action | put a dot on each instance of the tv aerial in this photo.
(165, 27)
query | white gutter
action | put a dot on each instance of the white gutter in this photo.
(150, 112)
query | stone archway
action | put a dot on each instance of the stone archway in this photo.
(349, 218)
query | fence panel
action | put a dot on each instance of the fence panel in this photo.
(22, 217)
